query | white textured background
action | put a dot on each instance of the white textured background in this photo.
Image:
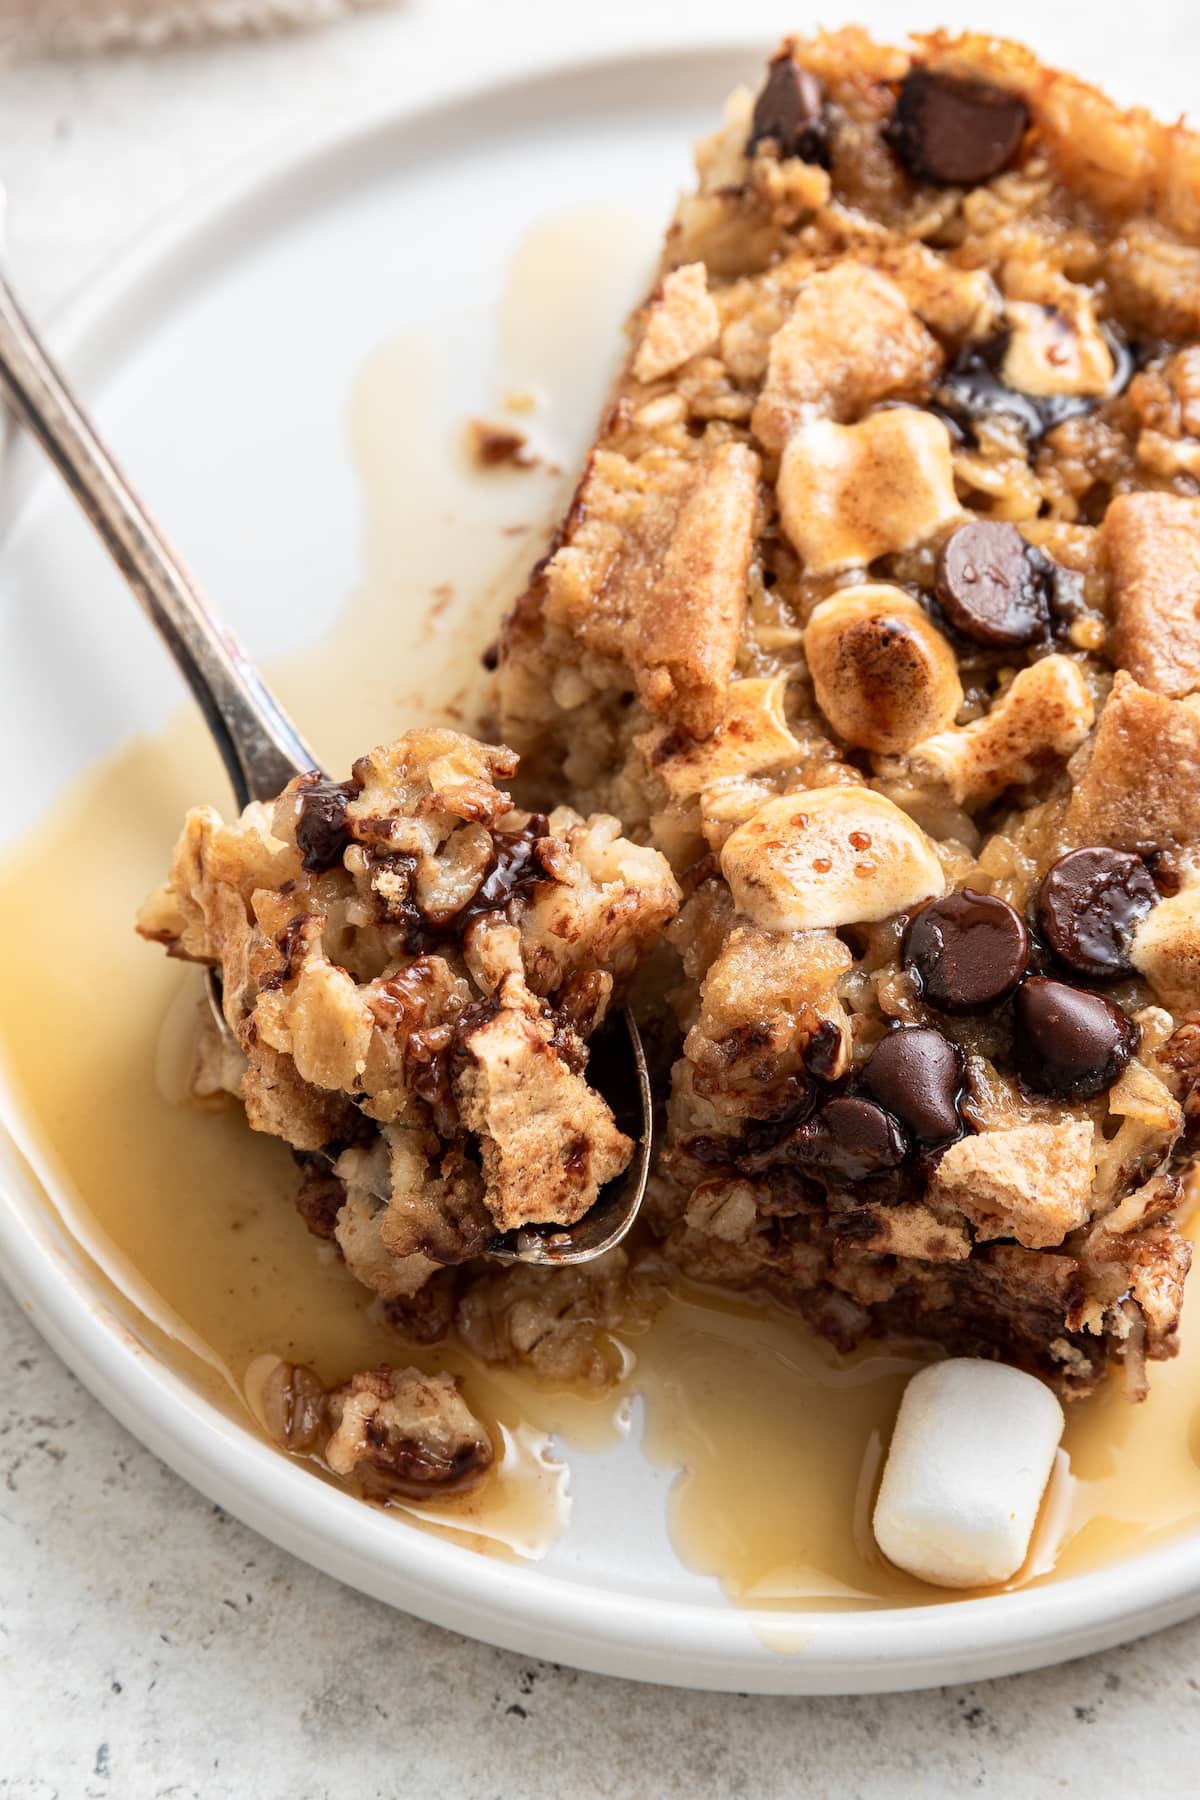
(149, 1645)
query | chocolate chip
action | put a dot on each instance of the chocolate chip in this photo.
(321, 834)
(761, 1136)
(791, 110)
(966, 951)
(1069, 1043)
(971, 390)
(953, 131)
(849, 1138)
(992, 585)
(515, 868)
(717, 1152)
(917, 1074)
(823, 1050)
(1088, 905)
(1166, 872)
(1067, 598)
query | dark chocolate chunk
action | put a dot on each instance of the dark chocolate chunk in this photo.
(966, 951)
(1166, 872)
(715, 1152)
(848, 1139)
(917, 1074)
(321, 833)
(954, 131)
(1066, 593)
(515, 870)
(972, 389)
(823, 1050)
(761, 1136)
(515, 867)
(791, 110)
(993, 585)
(1069, 1043)
(1088, 906)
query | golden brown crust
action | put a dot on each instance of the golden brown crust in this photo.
(682, 642)
(679, 321)
(1031, 1182)
(1141, 785)
(1152, 542)
(548, 1142)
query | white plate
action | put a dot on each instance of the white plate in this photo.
(220, 357)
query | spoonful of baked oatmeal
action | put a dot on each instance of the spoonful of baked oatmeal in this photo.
(405, 970)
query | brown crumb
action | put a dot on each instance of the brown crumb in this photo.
(493, 446)
(441, 597)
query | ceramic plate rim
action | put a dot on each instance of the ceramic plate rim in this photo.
(539, 1613)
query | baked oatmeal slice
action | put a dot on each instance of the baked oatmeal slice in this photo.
(412, 968)
(877, 610)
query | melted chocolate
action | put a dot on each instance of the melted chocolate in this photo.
(972, 389)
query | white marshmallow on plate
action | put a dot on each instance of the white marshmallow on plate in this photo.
(971, 1454)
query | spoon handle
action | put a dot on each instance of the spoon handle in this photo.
(259, 745)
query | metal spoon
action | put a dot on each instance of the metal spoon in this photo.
(259, 745)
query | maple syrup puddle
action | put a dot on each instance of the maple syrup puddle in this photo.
(778, 1440)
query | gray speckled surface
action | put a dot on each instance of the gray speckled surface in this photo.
(149, 1645)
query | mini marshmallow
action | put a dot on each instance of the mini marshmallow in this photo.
(1051, 351)
(971, 1455)
(850, 493)
(829, 856)
(1044, 715)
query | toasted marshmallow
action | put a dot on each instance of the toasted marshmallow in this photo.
(850, 493)
(829, 856)
(1053, 351)
(752, 737)
(884, 675)
(1043, 715)
(970, 1458)
(1166, 949)
(728, 804)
